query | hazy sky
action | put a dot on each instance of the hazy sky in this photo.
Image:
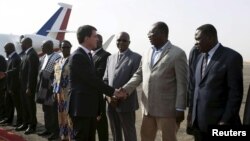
(230, 17)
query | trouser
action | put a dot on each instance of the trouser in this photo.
(84, 128)
(122, 121)
(151, 124)
(51, 118)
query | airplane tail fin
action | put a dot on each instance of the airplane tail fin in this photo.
(56, 26)
(106, 44)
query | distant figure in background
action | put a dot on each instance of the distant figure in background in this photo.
(163, 74)
(61, 90)
(218, 85)
(100, 57)
(246, 118)
(28, 80)
(12, 98)
(120, 68)
(3, 67)
(45, 90)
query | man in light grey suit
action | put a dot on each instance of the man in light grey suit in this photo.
(163, 73)
(120, 68)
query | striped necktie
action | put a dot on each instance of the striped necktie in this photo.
(204, 64)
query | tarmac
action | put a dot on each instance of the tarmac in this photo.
(181, 134)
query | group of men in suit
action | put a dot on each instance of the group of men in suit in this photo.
(20, 86)
(212, 80)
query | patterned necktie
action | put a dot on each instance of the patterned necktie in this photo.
(204, 64)
(120, 56)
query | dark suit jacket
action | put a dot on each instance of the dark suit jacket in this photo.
(217, 97)
(100, 61)
(29, 70)
(13, 68)
(193, 59)
(246, 118)
(85, 86)
(3, 66)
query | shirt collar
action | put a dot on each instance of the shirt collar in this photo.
(11, 54)
(162, 48)
(124, 52)
(212, 51)
(95, 51)
(26, 51)
(85, 49)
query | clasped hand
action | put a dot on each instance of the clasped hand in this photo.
(120, 94)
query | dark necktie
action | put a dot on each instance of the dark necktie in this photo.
(91, 58)
(204, 64)
(120, 57)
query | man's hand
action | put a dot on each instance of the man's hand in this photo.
(189, 129)
(28, 92)
(120, 94)
(2, 75)
(99, 117)
(112, 101)
(179, 117)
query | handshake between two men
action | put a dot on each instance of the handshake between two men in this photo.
(119, 94)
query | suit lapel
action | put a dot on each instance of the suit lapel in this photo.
(97, 55)
(164, 52)
(80, 50)
(198, 70)
(124, 58)
(214, 58)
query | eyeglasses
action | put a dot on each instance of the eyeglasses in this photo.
(153, 33)
(122, 40)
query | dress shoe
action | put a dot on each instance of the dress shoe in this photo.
(30, 130)
(21, 127)
(53, 137)
(44, 133)
(5, 121)
(16, 125)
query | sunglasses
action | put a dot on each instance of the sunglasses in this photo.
(122, 40)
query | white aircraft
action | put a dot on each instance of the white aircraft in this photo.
(54, 29)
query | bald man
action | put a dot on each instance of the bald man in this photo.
(120, 68)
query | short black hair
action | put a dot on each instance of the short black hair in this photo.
(208, 30)
(66, 42)
(163, 27)
(84, 31)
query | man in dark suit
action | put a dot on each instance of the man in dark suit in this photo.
(85, 86)
(100, 57)
(218, 85)
(3, 67)
(12, 98)
(28, 80)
